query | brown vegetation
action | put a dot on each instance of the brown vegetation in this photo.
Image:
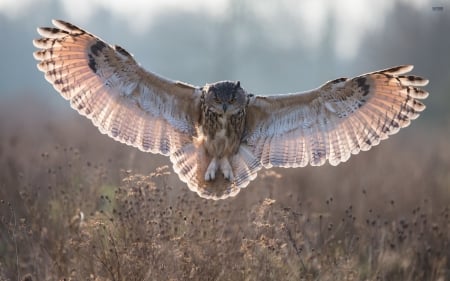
(79, 206)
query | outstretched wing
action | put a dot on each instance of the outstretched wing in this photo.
(105, 84)
(341, 118)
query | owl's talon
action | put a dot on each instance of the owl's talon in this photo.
(210, 175)
(228, 175)
(226, 169)
(211, 171)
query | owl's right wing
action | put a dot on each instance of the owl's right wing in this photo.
(105, 84)
(341, 118)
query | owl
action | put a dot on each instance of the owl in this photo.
(219, 136)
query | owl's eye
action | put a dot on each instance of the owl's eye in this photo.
(232, 101)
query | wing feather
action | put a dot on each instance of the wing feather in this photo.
(339, 119)
(105, 84)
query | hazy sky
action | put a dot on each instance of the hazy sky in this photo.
(187, 40)
(353, 17)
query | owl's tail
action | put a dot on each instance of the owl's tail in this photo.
(190, 163)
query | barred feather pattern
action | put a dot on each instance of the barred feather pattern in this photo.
(105, 84)
(341, 118)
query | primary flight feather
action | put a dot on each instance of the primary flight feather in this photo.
(218, 136)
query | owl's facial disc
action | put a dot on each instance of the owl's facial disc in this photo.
(225, 97)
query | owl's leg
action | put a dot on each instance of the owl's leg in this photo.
(226, 169)
(211, 170)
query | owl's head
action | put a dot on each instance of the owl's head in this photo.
(225, 97)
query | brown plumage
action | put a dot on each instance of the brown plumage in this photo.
(218, 136)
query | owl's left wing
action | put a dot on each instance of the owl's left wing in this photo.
(105, 84)
(342, 117)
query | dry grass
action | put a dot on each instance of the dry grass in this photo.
(384, 215)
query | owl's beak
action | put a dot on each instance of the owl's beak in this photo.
(224, 106)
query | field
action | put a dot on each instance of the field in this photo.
(75, 205)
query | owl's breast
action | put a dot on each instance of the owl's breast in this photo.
(222, 133)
